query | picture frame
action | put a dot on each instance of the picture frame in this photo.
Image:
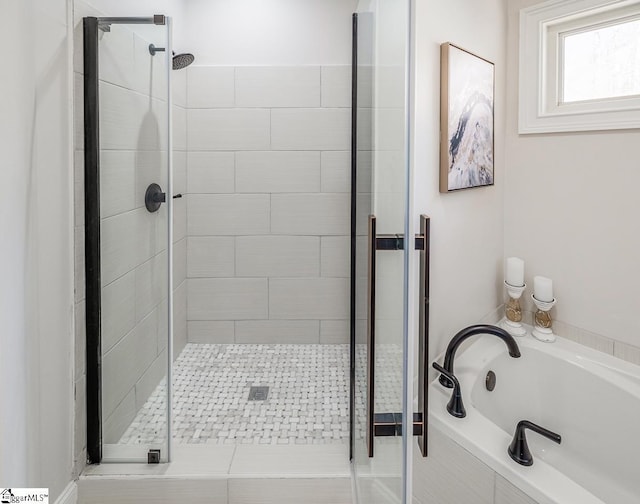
(467, 119)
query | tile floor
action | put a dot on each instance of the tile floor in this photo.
(307, 402)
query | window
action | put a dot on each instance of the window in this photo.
(601, 62)
(580, 66)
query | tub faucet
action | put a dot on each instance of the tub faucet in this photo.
(519, 449)
(466, 333)
(455, 405)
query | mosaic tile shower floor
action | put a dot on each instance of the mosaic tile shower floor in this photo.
(308, 401)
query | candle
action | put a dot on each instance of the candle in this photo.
(543, 289)
(515, 271)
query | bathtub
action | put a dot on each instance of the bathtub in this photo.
(591, 399)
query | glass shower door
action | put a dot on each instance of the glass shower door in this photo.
(380, 36)
(127, 226)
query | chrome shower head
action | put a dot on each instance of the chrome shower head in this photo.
(181, 61)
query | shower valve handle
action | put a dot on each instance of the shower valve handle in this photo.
(154, 197)
(159, 197)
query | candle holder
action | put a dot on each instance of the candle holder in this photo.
(542, 320)
(513, 312)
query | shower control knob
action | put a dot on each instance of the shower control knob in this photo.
(154, 197)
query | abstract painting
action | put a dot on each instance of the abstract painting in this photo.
(467, 120)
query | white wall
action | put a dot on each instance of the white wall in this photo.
(571, 212)
(467, 226)
(37, 247)
(467, 236)
(16, 132)
(277, 32)
(174, 8)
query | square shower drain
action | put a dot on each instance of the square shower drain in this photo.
(258, 393)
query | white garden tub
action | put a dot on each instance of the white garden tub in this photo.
(591, 399)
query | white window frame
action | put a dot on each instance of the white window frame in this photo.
(541, 29)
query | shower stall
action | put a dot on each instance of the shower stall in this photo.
(232, 279)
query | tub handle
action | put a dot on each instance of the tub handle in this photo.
(519, 449)
(455, 405)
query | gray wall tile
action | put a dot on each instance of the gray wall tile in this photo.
(123, 365)
(210, 87)
(582, 336)
(179, 319)
(180, 139)
(180, 218)
(310, 214)
(268, 86)
(179, 172)
(227, 298)
(211, 256)
(309, 298)
(260, 213)
(118, 310)
(627, 352)
(228, 129)
(118, 243)
(151, 285)
(450, 474)
(277, 172)
(208, 331)
(129, 122)
(335, 256)
(211, 172)
(117, 182)
(336, 86)
(334, 332)
(115, 425)
(506, 493)
(179, 262)
(277, 331)
(277, 256)
(311, 129)
(150, 380)
(228, 214)
(336, 171)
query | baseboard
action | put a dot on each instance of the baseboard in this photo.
(69, 495)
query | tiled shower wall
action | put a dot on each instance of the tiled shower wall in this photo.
(134, 254)
(268, 216)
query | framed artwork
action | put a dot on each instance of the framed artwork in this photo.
(466, 119)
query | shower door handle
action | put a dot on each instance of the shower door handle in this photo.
(390, 424)
(423, 333)
(371, 333)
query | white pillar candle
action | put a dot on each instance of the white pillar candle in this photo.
(543, 289)
(515, 271)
